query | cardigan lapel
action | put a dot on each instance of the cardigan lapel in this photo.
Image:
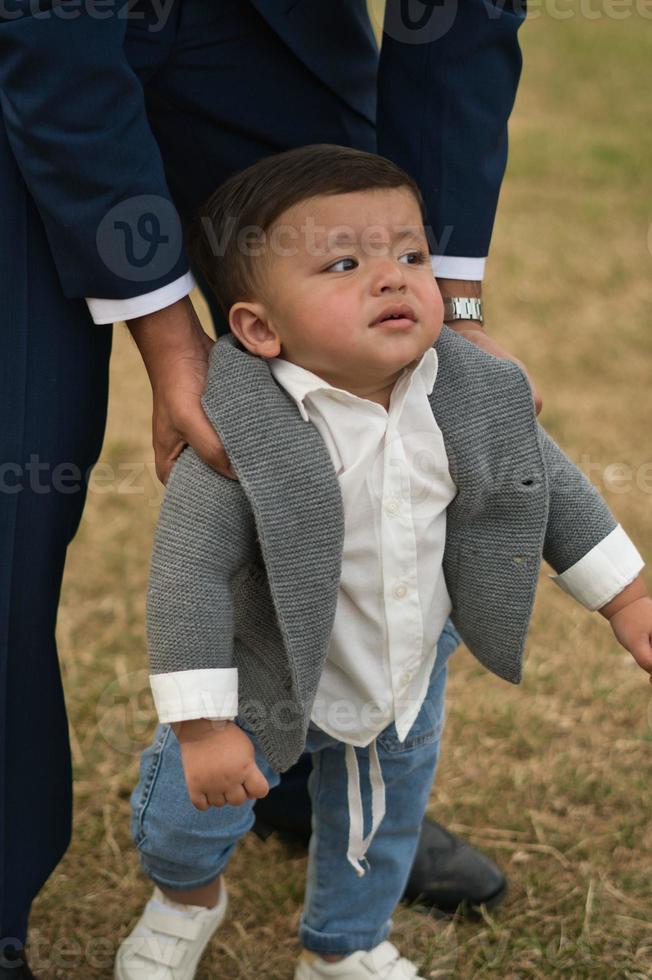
(288, 477)
(483, 406)
(450, 413)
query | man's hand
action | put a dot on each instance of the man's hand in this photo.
(630, 615)
(175, 350)
(474, 331)
(219, 763)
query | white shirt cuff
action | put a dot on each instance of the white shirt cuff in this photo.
(603, 572)
(114, 310)
(458, 267)
(182, 695)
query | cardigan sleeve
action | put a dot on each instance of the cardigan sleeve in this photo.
(591, 553)
(205, 534)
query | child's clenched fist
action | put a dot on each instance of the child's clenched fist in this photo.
(219, 763)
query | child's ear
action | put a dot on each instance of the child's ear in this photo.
(249, 323)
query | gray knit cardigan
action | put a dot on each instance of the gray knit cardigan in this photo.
(245, 574)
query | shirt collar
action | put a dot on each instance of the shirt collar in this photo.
(299, 382)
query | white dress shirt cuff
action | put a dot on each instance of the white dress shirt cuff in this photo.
(182, 695)
(114, 310)
(457, 267)
(603, 572)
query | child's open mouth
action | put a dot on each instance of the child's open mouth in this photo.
(397, 316)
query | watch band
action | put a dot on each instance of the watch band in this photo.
(463, 308)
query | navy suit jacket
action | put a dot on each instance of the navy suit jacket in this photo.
(75, 115)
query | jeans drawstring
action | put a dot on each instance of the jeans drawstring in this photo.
(358, 846)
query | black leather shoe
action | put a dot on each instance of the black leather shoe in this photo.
(447, 873)
(15, 966)
(450, 875)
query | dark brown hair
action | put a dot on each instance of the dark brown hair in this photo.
(250, 202)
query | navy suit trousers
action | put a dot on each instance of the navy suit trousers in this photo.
(227, 92)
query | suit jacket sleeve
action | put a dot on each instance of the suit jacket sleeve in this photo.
(205, 534)
(75, 118)
(448, 77)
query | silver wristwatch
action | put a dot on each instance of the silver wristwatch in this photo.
(463, 308)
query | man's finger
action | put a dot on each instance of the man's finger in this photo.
(538, 403)
(166, 453)
(207, 444)
(163, 469)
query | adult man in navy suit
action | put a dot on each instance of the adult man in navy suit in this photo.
(117, 120)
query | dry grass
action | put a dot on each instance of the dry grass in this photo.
(552, 778)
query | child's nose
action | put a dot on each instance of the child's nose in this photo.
(388, 276)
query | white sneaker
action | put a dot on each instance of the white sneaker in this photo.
(384, 962)
(168, 940)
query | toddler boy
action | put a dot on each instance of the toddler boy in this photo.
(390, 475)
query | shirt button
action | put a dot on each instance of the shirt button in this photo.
(400, 591)
(392, 505)
(405, 678)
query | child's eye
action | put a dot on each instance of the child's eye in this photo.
(413, 258)
(337, 266)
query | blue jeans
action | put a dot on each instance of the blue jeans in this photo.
(183, 848)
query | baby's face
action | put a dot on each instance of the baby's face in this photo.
(353, 299)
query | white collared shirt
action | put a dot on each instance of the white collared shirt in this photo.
(393, 474)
